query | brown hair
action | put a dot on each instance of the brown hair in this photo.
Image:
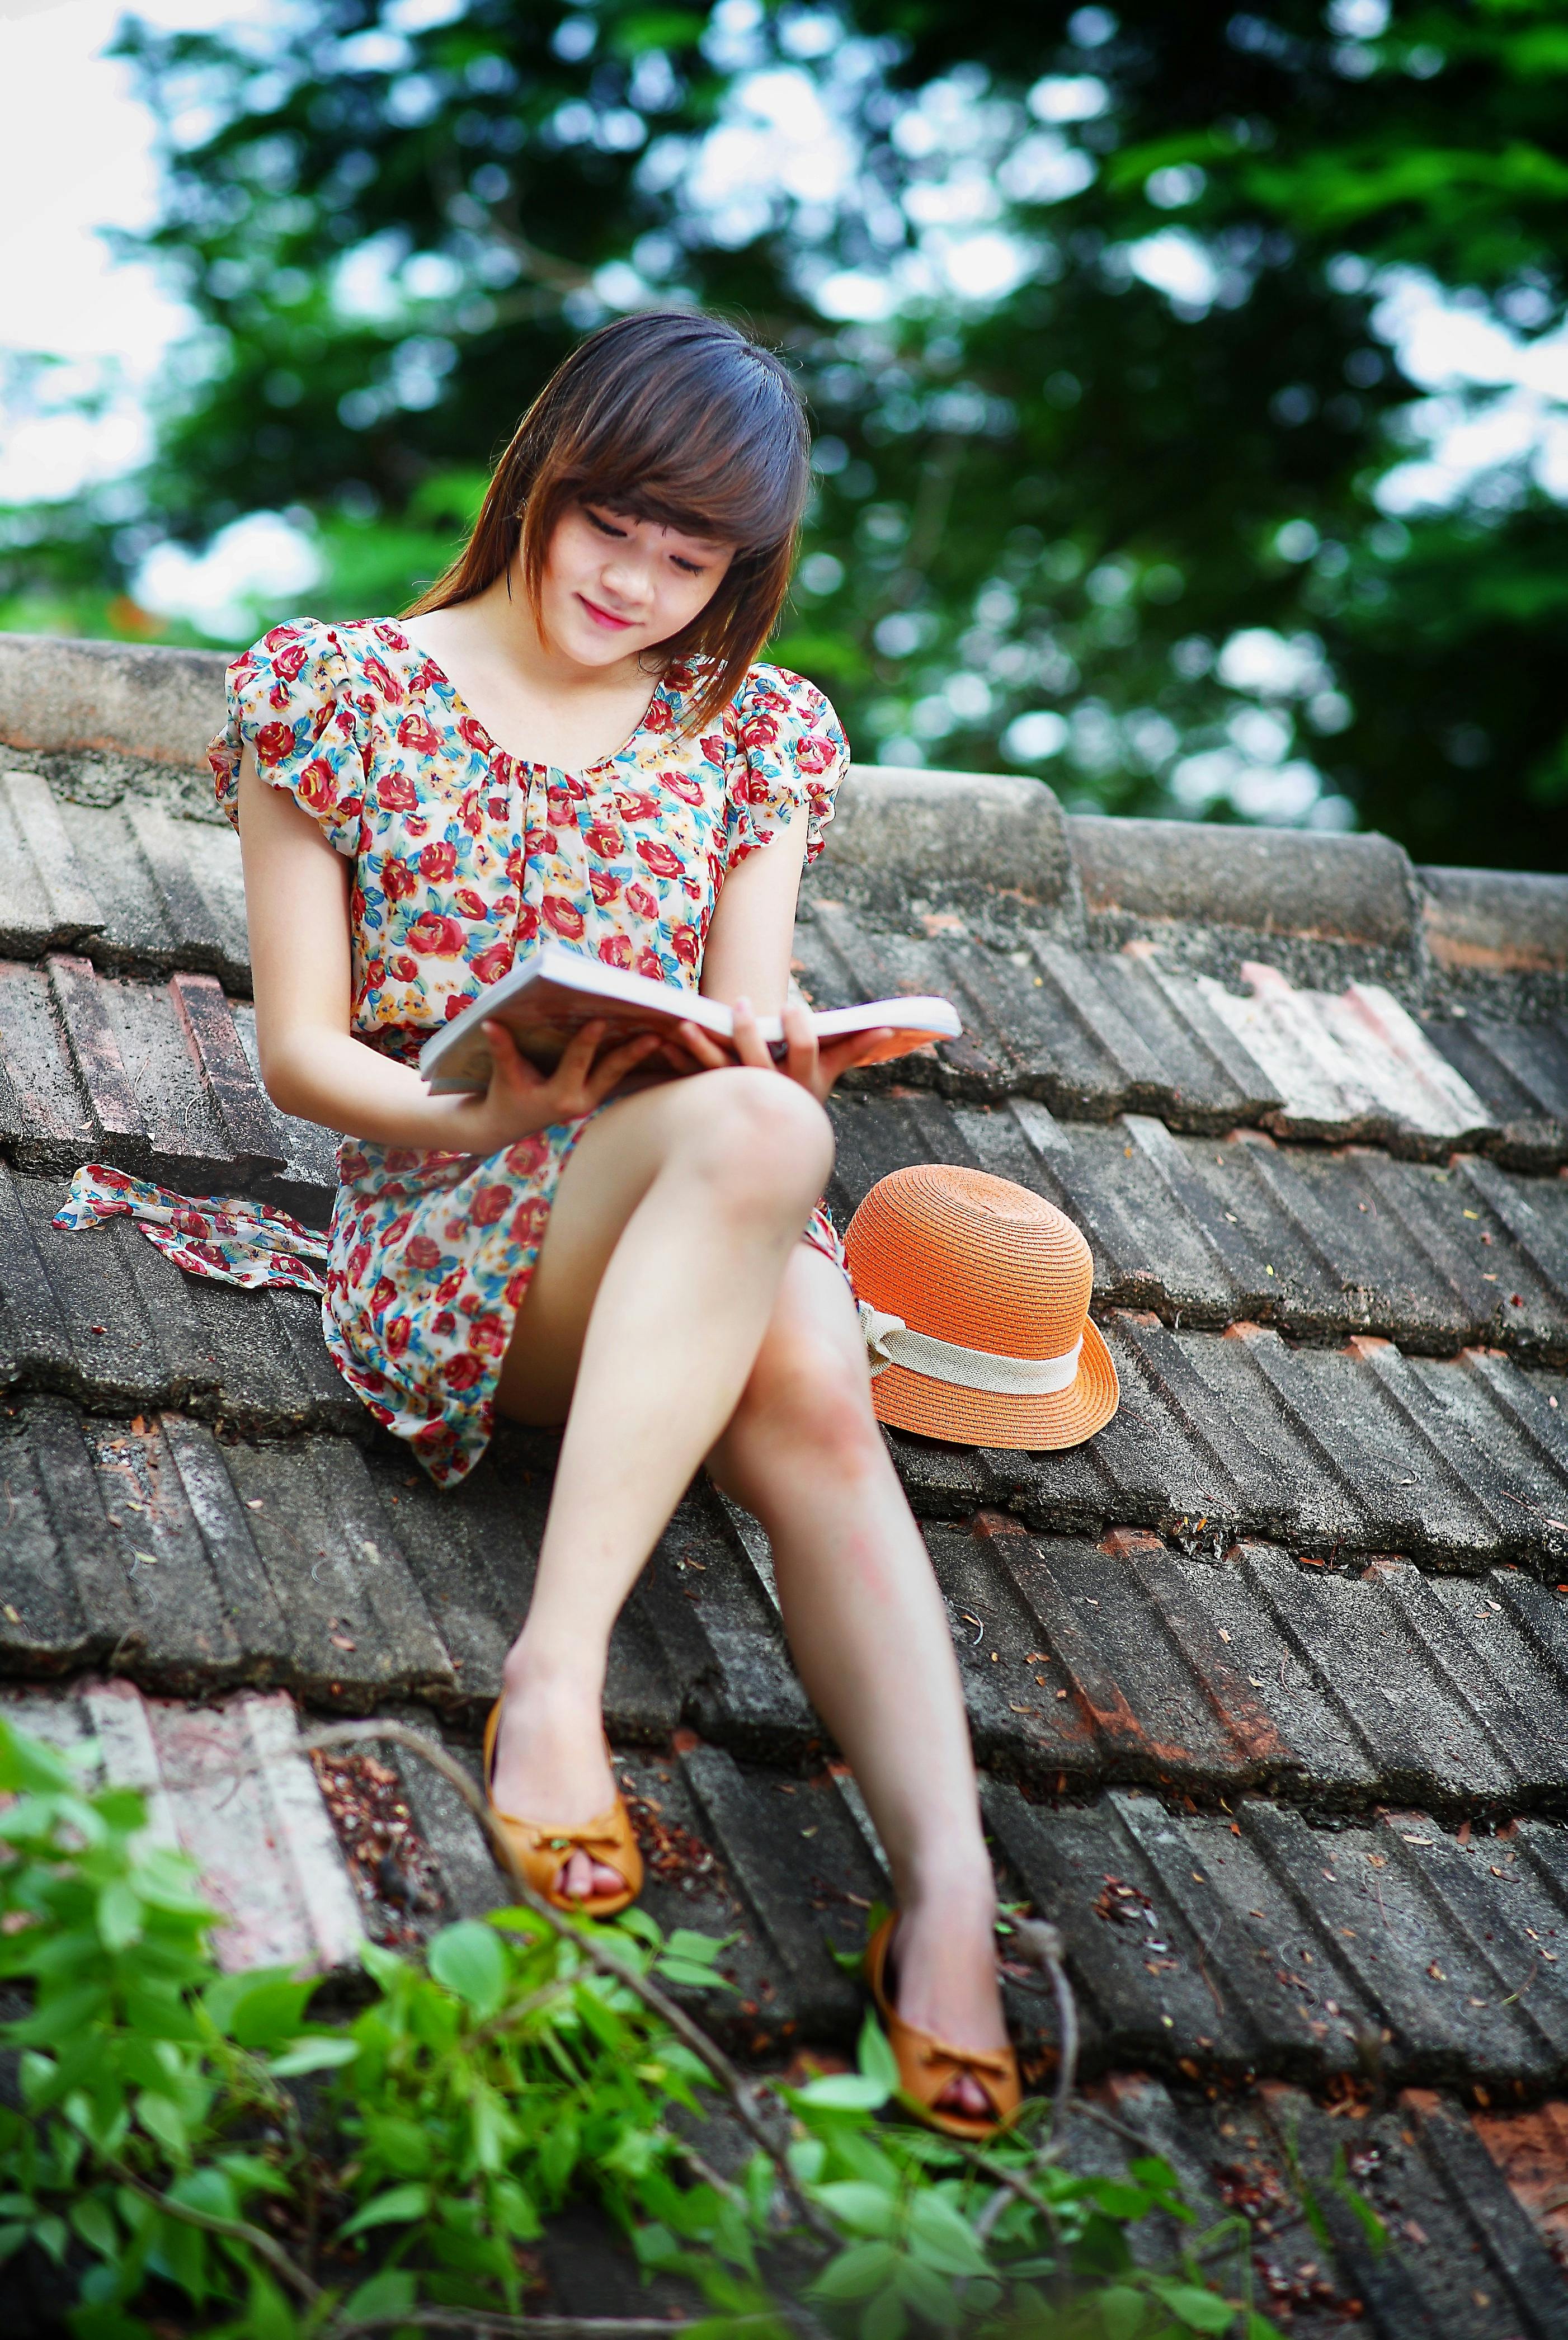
(682, 419)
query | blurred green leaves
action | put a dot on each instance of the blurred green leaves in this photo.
(1090, 307)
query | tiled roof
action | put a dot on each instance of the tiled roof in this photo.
(1269, 1682)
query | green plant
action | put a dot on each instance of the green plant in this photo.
(182, 2135)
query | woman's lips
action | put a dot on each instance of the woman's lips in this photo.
(603, 617)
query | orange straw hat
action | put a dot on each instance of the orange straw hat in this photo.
(974, 1299)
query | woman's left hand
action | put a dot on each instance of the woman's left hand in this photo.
(804, 1060)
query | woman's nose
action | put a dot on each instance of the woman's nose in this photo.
(626, 575)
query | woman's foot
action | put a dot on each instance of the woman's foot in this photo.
(551, 1768)
(942, 1978)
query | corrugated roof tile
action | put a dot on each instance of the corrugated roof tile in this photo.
(223, 1788)
(1288, 1949)
(157, 1078)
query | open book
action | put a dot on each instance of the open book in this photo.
(554, 992)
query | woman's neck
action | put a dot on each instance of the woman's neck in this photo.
(539, 705)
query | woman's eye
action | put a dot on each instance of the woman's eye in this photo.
(605, 527)
(690, 567)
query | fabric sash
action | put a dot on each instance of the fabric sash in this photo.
(891, 1341)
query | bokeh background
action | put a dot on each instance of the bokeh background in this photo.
(1191, 384)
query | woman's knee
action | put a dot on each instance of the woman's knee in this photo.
(809, 1395)
(753, 1133)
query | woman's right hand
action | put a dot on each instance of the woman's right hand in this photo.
(521, 1100)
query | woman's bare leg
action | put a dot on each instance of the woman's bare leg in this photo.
(674, 1220)
(870, 1635)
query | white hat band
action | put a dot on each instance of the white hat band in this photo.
(891, 1341)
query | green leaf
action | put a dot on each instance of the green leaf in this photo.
(1200, 2311)
(845, 2092)
(30, 1766)
(865, 2210)
(933, 2295)
(1117, 2200)
(1122, 2312)
(61, 2018)
(470, 1960)
(886, 2318)
(268, 2316)
(163, 2118)
(874, 2054)
(390, 2293)
(161, 2015)
(698, 1949)
(405, 2146)
(52, 2237)
(320, 2052)
(942, 2239)
(120, 1915)
(207, 2189)
(96, 2224)
(266, 2009)
(857, 2272)
(400, 2207)
(687, 1976)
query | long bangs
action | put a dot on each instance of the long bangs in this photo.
(677, 419)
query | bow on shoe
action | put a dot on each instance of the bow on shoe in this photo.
(598, 1836)
(996, 2061)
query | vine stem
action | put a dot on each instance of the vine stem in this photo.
(233, 2230)
(1041, 1947)
(536, 2327)
(400, 1734)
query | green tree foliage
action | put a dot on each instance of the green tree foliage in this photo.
(1086, 302)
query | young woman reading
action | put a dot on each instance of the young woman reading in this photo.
(568, 738)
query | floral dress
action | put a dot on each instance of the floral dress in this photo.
(464, 857)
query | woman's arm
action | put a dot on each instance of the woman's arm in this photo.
(751, 934)
(746, 963)
(297, 906)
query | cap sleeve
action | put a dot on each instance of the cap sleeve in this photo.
(288, 699)
(791, 756)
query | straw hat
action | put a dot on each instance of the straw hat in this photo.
(974, 1299)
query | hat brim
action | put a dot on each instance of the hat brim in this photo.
(966, 1417)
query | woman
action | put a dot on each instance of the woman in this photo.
(568, 738)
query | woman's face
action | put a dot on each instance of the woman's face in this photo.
(614, 585)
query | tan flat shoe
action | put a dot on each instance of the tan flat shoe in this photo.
(929, 2065)
(542, 1853)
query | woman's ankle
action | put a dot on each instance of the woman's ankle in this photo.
(562, 1681)
(958, 1898)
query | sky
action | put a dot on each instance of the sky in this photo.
(78, 155)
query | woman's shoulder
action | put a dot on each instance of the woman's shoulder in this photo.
(323, 653)
(779, 690)
(778, 711)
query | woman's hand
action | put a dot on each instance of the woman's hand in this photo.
(520, 1099)
(804, 1060)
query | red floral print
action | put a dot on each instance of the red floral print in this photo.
(464, 858)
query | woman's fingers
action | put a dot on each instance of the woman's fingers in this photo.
(617, 1062)
(801, 1055)
(702, 1047)
(751, 1048)
(508, 1067)
(576, 1061)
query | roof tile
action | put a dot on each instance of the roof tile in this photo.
(46, 900)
